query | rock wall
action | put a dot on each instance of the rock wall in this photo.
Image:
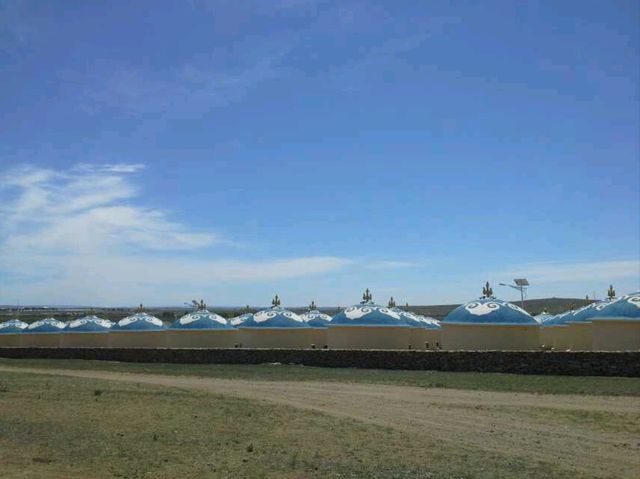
(518, 362)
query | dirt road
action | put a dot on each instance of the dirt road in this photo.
(593, 435)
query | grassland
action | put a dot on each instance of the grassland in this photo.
(607, 386)
(210, 421)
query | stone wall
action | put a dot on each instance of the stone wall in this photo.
(520, 362)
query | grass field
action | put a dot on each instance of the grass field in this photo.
(609, 386)
(81, 427)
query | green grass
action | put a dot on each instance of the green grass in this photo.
(608, 386)
(82, 428)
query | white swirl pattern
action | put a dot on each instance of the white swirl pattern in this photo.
(480, 309)
(634, 300)
(313, 315)
(47, 322)
(144, 317)
(357, 312)
(13, 323)
(262, 316)
(90, 319)
(202, 315)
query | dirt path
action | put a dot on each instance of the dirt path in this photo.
(567, 430)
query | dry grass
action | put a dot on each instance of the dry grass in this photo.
(61, 427)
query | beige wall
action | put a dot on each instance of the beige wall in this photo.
(580, 337)
(40, 340)
(368, 337)
(611, 335)
(422, 338)
(84, 340)
(204, 338)
(10, 340)
(318, 337)
(137, 339)
(473, 337)
(560, 337)
(275, 338)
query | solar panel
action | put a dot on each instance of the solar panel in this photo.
(521, 281)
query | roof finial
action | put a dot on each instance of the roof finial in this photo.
(312, 306)
(611, 293)
(366, 297)
(487, 292)
(391, 303)
(276, 301)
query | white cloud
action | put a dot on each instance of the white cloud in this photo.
(558, 272)
(82, 236)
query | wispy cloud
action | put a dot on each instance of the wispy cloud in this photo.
(83, 234)
(588, 271)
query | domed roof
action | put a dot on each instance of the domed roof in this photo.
(88, 324)
(12, 326)
(315, 318)
(46, 325)
(201, 319)
(585, 313)
(489, 310)
(559, 319)
(236, 321)
(274, 317)
(367, 313)
(139, 321)
(625, 308)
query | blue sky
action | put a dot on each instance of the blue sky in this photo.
(229, 150)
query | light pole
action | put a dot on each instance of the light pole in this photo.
(521, 285)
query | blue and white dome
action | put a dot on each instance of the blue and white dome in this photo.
(625, 308)
(559, 319)
(490, 310)
(89, 324)
(412, 319)
(201, 319)
(369, 314)
(238, 320)
(585, 313)
(46, 325)
(316, 319)
(12, 326)
(274, 317)
(139, 321)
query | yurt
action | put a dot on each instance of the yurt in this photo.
(139, 330)
(318, 322)
(202, 329)
(489, 323)
(275, 327)
(87, 332)
(44, 333)
(10, 332)
(368, 326)
(423, 333)
(616, 327)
